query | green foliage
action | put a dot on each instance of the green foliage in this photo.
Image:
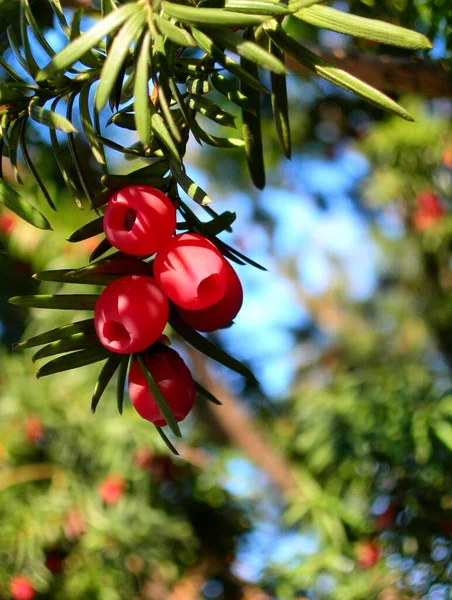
(158, 43)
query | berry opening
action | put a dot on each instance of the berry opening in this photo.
(208, 288)
(129, 219)
(123, 219)
(115, 332)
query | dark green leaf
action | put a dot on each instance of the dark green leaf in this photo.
(59, 333)
(105, 376)
(84, 103)
(234, 254)
(13, 144)
(206, 347)
(49, 118)
(198, 86)
(58, 12)
(118, 53)
(167, 442)
(262, 7)
(220, 223)
(89, 58)
(191, 188)
(101, 248)
(81, 358)
(75, 154)
(118, 181)
(162, 133)
(178, 35)
(32, 65)
(62, 302)
(208, 46)
(40, 36)
(217, 142)
(31, 167)
(11, 199)
(121, 384)
(158, 397)
(142, 103)
(327, 17)
(202, 390)
(337, 76)
(77, 341)
(75, 50)
(280, 105)
(249, 50)
(214, 17)
(15, 48)
(230, 88)
(212, 111)
(87, 231)
(58, 154)
(251, 127)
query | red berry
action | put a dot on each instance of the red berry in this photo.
(191, 271)
(220, 314)
(112, 489)
(387, 518)
(139, 219)
(54, 561)
(173, 378)
(130, 314)
(429, 211)
(74, 526)
(7, 223)
(143, 459)
(20, 588)
(34, 429)
(367, 554)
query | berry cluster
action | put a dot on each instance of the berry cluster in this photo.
(187, 274)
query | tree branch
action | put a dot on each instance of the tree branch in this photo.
(237, 427)
(432, 79)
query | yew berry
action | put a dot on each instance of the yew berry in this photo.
(429, 211)
(112, 489)
(20, 588)
(34, 429)
(367, 554)
(74, 525)
(143, 459)
(139, 219)
(173, 378)
(54, 560)
(220, 314)
(130, 314)
(191, 271)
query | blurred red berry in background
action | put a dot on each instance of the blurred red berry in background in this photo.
(143, 459)
(34, 429)
(367, 554)
(112, 489)
(387, 518)
(139, 219)
(74, 525)
(7, 223)
(20, 588)
(174, 379)
(54, 560)
(220, 314)
(130, 314)
(429, 211)
(191, 271)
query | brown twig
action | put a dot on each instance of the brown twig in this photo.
(238, 427)
(432, 78)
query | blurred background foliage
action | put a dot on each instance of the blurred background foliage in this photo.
(330, 481)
